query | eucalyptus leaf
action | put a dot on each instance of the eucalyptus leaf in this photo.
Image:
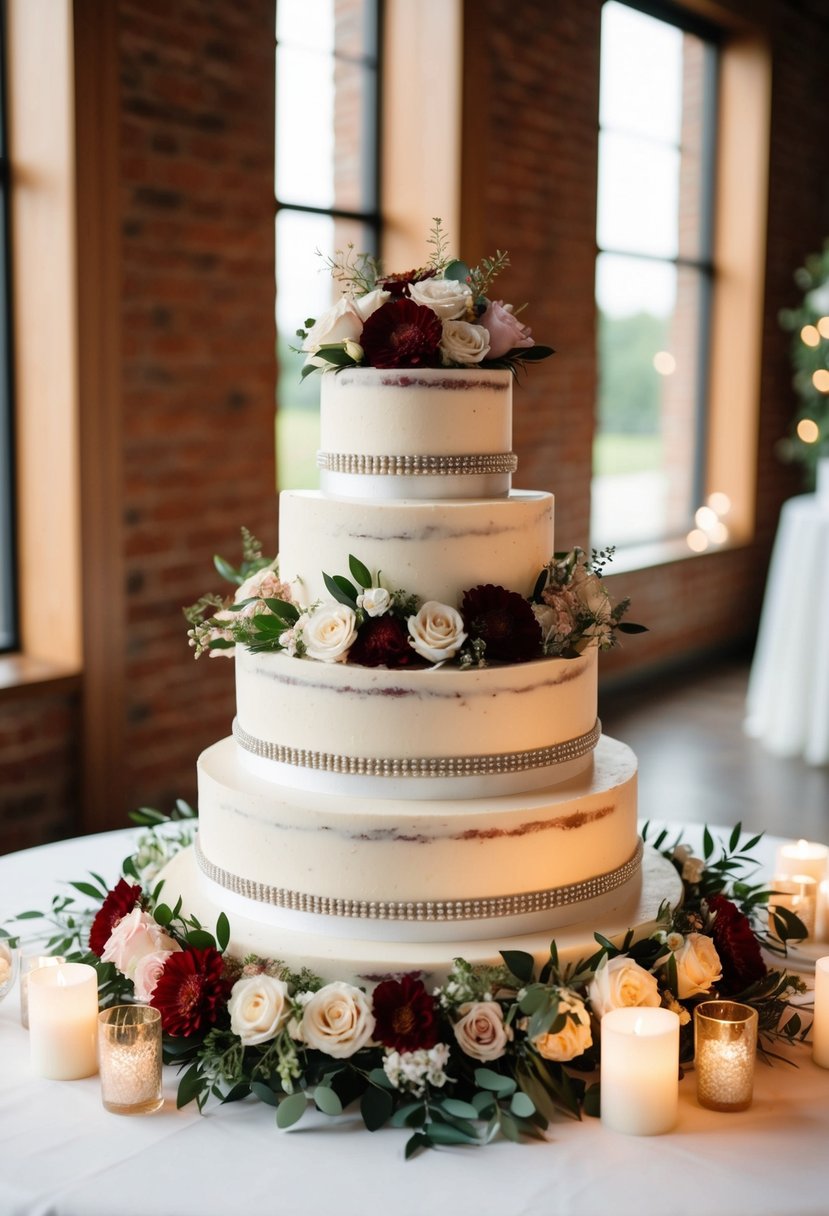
(291, 1109)
(456, 270)
(447, 1133)
(460, 1110)
(509, 1127)
(522, 1105)
(327, 1100)
(486, 1078)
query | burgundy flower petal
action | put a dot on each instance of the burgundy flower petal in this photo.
(505, 621)
(192, 992)
(383, 641)
(736, 944)
(402, 334)
(119, 902)
(405, 1014)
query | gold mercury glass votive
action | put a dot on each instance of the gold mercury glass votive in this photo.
(28, 964)
(129, 1059)
(725, 1046)
(798, 893)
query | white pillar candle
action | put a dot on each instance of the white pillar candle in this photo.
(820, 1025)
(640, 1070)
(802, 857)
(28, 964)
(63, 1021)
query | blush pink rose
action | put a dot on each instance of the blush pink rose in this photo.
(147, 972)
(135, 935)
(506, 332)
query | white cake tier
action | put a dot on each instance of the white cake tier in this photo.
(435, 550)
(360, 961)
(445, 859)
(415, 734)
(434, 433)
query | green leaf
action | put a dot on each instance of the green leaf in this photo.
(592, 1101)
(533, 999)
(503, 1086)
(291, 1110)
(460, 1110)
(190, 1087)
(376, 1106)
(359, 572)
(341, 596)
(509, 1127)
(415, 1143)
(289, 613)
(162, 914)
(222, 931)
(200, 939)
(327, 1100)
(227, 571)
(413, 1114)
(484, 1103)
(521, 964)
(447, 1133)
(522, 1105)
(734, 838)
(264, 1093)
(378, 1076)
(456, 270)
(707, 843)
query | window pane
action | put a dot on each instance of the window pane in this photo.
(638, 202)
(304, 291)
(641, 71)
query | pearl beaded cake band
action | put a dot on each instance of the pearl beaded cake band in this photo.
(417, 465)
(422, 766)
(525, 903)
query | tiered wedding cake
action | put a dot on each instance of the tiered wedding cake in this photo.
(414, 775)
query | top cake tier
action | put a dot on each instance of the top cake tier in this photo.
(432, 433)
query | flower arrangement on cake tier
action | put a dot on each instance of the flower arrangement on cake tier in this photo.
(438, 315)
(494, 1049)
(372, 625)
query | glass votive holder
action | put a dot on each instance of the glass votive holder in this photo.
(798, 894)
(129, 1059)
(725, 1047)
(28, 964)
(9, 960)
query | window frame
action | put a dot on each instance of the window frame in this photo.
(9, 605)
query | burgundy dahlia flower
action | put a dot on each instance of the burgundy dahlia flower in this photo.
(735, 943)
(402, 334)
(192, 991)
(383, 641)
(397, 283)
(119, 902)
(405, 1015)
(505, 621)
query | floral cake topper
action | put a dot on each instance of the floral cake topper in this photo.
(437, 315)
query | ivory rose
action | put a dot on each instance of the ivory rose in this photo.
(619, 983)
(436, 632)
(505, 331)
(337, 1020)
(135, 935)
(481, 1032)
(329, 632)
(147, 973)
(463, 343)
(344, 322)
(374, 601)
(446, 297)
(259, 1007)
(698, 965)
(575, 1035)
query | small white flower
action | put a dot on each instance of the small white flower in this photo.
(375, 601)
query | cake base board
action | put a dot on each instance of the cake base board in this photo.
(366, 962)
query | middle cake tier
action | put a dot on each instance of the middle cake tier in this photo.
(435, 550)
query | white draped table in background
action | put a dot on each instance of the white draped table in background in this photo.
(788, 691)
(62, 1154)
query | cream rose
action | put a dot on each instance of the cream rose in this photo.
(481, 1032)
(337, 1020)
(375, 601)
(505, 331)
(698, 965)
(463, 343)
(259, 1008)
(446, 297)
(344, 322)
(574, 1037)
(135, 935)
(148, 972)
(329, 632)
(619, 983)
(436, 632)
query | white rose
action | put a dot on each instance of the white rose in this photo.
(698, 965)
(375, 601)
(445, 297)
(148, 972)
(337, 1020)
(463, 343)
(481, 1032)
(135, 935)
(436, 632)
(371, 301)
(259, 1008)
(342, 323)
(574, 1037)
(619, 983)
(329, 632)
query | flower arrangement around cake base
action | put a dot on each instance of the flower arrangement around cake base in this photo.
(501, 1049)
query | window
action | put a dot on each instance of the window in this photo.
(326, 188)
(654, 273)
(8, 604)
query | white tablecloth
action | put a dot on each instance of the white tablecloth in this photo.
(788, 692)
(62, 1154)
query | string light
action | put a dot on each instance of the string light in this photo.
(697, 540)
(808, 431)
(823, 327)
(665, 363)
(820, 379)
(710, 529)
(720, 503)
(810, 335)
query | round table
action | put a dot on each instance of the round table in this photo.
(62, 1154)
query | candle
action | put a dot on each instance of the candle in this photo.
(799, 895)
(129, 1048)
(820, 1023)
(28, 964)
(63, 1012)
(802, 857)
(725, 1044)
(640, 1070)
(822, 913)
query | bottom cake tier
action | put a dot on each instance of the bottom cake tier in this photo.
(365, 961)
